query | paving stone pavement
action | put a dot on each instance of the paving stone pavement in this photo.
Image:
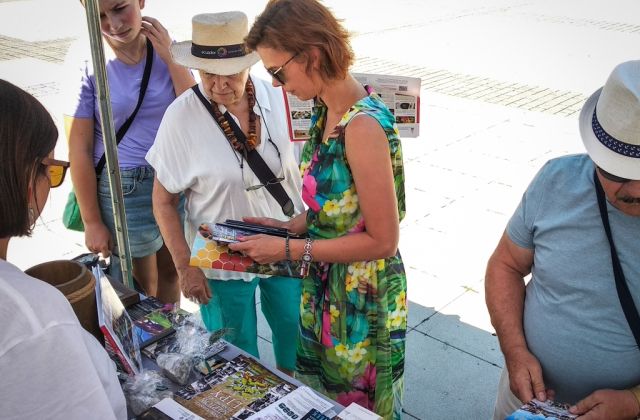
(502, 83)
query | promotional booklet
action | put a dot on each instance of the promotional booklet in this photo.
(539, 410)
(117, 326)
(234, 390)
(210, 250)
(152, 320)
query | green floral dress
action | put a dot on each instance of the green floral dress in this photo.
(353, 316)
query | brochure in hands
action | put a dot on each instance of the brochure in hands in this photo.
(116, 325)
(210, 250)
(539, 410)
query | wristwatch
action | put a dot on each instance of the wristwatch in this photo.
(306, 258)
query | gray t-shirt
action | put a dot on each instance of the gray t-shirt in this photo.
(573, 320)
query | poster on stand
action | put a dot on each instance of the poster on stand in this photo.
(401, 94)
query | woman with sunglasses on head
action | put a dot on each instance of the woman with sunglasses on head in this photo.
(198, 152)
(51, 367)
(354, 306)
(133, 44)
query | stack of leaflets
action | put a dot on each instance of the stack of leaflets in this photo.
(356, 412)
(539, 410)
(210, 250)
(301, 403)
(234, 390)
(117, 326)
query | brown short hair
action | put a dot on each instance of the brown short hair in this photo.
(297, 25)
(27, 135)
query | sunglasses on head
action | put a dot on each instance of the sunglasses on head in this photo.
(613, 178)
(277, 73)
(56, 169)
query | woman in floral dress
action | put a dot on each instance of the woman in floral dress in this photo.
(354, 303)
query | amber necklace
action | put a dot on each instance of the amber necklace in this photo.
(240, 145)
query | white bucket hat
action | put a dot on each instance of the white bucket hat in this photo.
(217, 44)
(610, 122)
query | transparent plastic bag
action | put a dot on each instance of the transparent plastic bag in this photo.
(144, 390)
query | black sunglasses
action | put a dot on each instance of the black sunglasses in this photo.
(612, 177)
(274, 180)
(276, 74)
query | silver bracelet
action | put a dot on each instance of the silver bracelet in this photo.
(287, 251)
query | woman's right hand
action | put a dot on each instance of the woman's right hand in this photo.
(97, 239)
(159, 37)
(194, 284)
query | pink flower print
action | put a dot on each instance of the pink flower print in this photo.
(309, 186)
(357, 397)
(359, 227)
(368, 379)
(326, 329)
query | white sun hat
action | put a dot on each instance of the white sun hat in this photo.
(610, 122)
(217, 44)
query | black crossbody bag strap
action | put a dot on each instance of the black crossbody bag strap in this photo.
(255, 161)
(143, 89)
(628, 306)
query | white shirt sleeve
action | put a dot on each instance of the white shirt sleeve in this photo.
(169, 155)
(54, 375)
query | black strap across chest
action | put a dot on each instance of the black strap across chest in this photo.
(255, 161)
(626, 300)
(143, 89)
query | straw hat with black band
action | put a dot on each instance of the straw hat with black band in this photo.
(610, 122)
(217, 44)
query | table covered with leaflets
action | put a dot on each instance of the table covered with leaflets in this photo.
(171, 367)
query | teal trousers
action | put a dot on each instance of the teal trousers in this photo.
(233, 306)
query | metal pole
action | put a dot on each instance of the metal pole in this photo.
(109, 139)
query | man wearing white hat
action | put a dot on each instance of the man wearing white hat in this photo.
(198, 152)
(572, 333)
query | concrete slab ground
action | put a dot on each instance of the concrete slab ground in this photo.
(502, 83)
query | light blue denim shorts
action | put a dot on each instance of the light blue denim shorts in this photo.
(137, 186)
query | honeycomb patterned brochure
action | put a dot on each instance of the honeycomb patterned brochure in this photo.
(210, 250)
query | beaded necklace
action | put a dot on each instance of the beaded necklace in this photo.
(240, 145)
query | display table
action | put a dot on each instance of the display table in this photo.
(217, 384)
(238, 386)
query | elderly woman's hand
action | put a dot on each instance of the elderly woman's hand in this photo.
(159, 37)
(261, 248)
(194, 285)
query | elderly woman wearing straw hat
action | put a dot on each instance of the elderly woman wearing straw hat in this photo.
(197, 152)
